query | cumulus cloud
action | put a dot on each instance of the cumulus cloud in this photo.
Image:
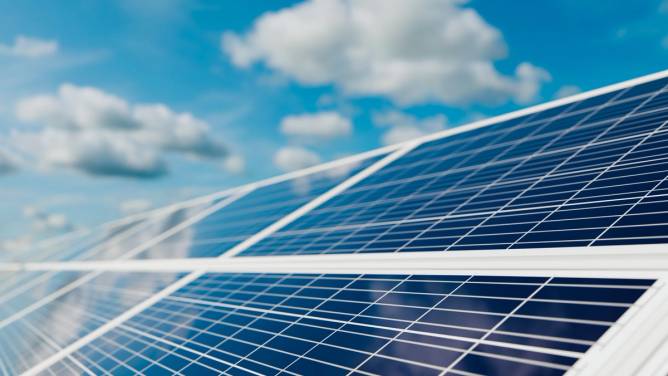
(403, 127)
(439, 52)
(135, 206)
(28, 47)
(235, 164)
(321, 125)
(92, 131)
(567, 91)
(292, 158)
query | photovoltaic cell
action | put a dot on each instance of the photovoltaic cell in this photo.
(586, 173)
(365, 324)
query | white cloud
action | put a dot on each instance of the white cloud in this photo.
(567, 91)
(89, 130)
(135, 206)
(403, 127)
(292, 158)
(440, 51)
(321, 125)
(29, 47)
(235, 164)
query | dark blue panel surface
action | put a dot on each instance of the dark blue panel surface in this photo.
(582, 174)
(380, 324)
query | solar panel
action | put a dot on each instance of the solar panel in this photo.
(379, 324)
(562, 177)
(561, 206)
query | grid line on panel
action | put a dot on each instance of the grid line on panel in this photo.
(629, 210)
(223, 314)
(501, 177)
(396, 336)
(453, 187)
(468, 351)
(540, 179)
(563, 165)
(607, 168)
(341, 347)
(310, 311)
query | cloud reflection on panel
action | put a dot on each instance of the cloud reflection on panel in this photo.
(74, 315)
(234, 222)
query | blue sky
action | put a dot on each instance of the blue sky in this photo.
(110, 107)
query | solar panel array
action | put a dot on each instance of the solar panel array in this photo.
(585, 172)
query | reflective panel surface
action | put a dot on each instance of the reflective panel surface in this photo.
(368, 324)
(583, 174)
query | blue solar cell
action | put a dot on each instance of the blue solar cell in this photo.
(566, 176)
(431, 324)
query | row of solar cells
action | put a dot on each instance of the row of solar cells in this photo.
(339, 324)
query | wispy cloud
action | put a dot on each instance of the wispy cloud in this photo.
(567, 91)
(135, 206)
(403, 127)
(324, 125)
(28, 47)
(292, 158)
